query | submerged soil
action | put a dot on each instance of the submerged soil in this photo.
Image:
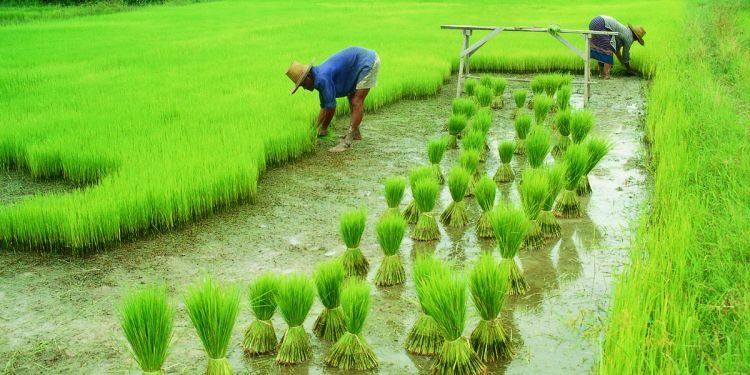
(58, 314)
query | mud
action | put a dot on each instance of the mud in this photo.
(58, 314)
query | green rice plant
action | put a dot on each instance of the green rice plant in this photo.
(534, 187)
(551, 82)
(562, 122)
(147, 320)
(295, 298)
(538, 143)
(425, 338)
(576, 161)
(482, 121)
(351, 351)
(538, 84)
(597, 148)
(484, 96)
(485, 81)
(547, 220)
(351, 227)
(489, 287)
(542, 106)
(394, 194)
(425, 194)
(498, 86)
(455, 214)
(563, 97)
(519, 97)
(390, 232)
(504, 172)
(464, 107)
(511, 226)
(522, 125)
(411, 214)
(581, 123)
(329, 278)
(260, 337)
(470, 86)
(435, 152)
(474, 140)
(469, 160)
(213, 309)
(485, 193)
(456, 125)
(444, 299)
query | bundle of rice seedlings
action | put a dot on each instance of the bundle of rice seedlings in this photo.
(213, 309)
(351, 227)
(482, 121)
(469, 160)
(533, 194)
(519, 97)
(294, 296)
(474, 140)
(444, 299)
(538, 84)
(260, 337)
(435, 151)
(551, 83)
(597, 148)
(411, 214)
(489, 286)
(542, 106)
(424, 337)
(464, 106)
(394, 193)
(547, 221)
(329, 278)
(562, 121)
(455, 214)
(522, 125)
(537, 146)
(456, 125)
(485, 194)
(563, 97)
(351, 351)
(485, 81)
(504, 171)
(498, 86)
(511, 226)
(147, 320)
(484, 96)
(576, 161)
(390, 233)
(425, 194)
(581, 123)
(470, 87)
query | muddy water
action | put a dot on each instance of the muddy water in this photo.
(57, 314)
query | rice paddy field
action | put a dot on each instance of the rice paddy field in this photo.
(160, 144)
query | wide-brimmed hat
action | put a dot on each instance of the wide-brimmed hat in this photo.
(639, 32)
(297, 73)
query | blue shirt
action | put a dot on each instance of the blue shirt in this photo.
(339, 74)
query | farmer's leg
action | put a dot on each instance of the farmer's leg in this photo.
(607, 67)
(358, 106)
(601, 69)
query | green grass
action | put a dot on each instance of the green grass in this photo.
(147, 320)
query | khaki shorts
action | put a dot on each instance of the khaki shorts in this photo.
(371, 79)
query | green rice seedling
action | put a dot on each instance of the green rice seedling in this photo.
(260, 337)
(394, 194)
(562, 120)
(464, 106)
(435, 152)
(533, 191)
(351, 227)
(456, 126)
(351, 351)
(411, 214)
(295, 298)
(547, 220)
(489, 287)
(537, 85)
(147, 320)
(581, 123)
(485, 193)
(474, 140)
(542, 106)
(485, 81)
(511, 226)
(425, 194)
(522, 125)
(390, 232)
(213, 309)
(484, 96)
(482, 121)
(551, 82)
(498, 86)
(504, 172)
(424, 337)
(576, 161)
(563, 97)
(597, 148)
(329, 278)
(470, 87)
(444, 299)
(537, 146)
(469, 160)
(455, 214)
(519, 97)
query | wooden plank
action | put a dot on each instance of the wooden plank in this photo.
(569, 45)
(572, 82)
(586, 73)
(533, 29)
(462, 65)
(481, 42)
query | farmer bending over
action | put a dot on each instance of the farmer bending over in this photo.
(603, 46)
(351, 72)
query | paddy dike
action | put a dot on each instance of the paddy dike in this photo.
(58, 313)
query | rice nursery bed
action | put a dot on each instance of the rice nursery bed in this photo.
(57, 312)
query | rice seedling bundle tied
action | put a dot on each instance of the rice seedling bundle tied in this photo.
(455, 214)
(390, 232)
(511, 226)
(504, 171)
(456, 125)
(425, 194)
(485, 193)
(542, 106)
(260, 337)
(470, 86)
(597, 148)
(484, 96)
(213, 309)
(351, 227)
(469, 160)
(394, 194)
(519, 97)
(351, 351)
(329, 279)
(563, 97)
(411, 214)
(522, 125)
(538, 143)
(533, 191)
(581, 123)
(464, 106)
(474, 140)
(295, 298)
(547, 220)
(562, 122)
(498, 89)
(537, 85)
(435, 152)
(485, 81)
(482, 121)
(576, 161)
(147, 320)
(489, 287)
(424, 337)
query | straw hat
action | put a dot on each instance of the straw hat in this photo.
(639, 32)
(297, 73)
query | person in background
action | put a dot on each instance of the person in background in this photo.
(603, 46)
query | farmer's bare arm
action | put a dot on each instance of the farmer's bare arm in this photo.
(325, 116)
(619, 57)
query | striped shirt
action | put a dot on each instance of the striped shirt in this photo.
(624, 39)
